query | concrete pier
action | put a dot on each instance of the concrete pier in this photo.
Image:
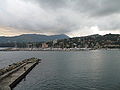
(10, 78)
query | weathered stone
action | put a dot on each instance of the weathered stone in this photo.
(13, 70)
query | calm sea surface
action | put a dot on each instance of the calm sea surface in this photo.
(59, 70)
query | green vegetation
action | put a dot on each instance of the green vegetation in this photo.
(92, 41)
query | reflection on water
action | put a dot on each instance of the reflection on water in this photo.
(84, 70)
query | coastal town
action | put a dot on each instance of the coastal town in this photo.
(92, 42)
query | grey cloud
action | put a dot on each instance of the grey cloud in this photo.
(50, 4)
(110, 25)
(91, 7)
(97, 7)
(108, 7)
(61, 16)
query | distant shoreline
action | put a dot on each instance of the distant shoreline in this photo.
(56, 49)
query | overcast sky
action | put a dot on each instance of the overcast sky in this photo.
(71, 17)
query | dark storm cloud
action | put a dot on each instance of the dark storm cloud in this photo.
(107, 7)
(52, 3)
(91, 7)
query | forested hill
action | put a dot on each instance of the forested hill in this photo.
(31, 38)
(91, 41)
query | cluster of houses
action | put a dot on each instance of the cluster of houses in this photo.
(88, 42)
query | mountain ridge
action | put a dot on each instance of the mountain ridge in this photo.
(31, 38)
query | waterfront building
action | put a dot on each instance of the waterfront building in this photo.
(44, 45)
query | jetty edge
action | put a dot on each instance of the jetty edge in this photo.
(10, 76)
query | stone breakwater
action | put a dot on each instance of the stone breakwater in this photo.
(10, 76)
(15, 65)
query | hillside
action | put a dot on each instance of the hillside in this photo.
(62, 41)
(92, 41)
(31, 38)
